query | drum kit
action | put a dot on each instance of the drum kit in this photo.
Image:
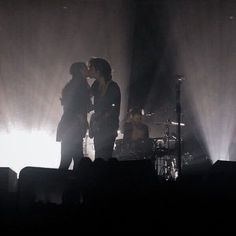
(162, 151)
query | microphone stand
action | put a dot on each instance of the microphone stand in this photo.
(178, 112)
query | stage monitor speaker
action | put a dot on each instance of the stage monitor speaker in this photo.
(43, 185)
(222, 179)
(227, 168)
(8, 180)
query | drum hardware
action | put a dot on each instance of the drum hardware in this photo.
(166, 167)
(165, 152)
(187, 159)
(162, 151)
(164, 159)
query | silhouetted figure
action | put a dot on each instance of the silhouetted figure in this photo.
(136, 134)
(134, 128)
(104, 122)
(73, 125)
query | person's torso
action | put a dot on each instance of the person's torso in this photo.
(75, 97)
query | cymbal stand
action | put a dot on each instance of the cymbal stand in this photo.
(178, 113)
(167, 134)
(166, 166)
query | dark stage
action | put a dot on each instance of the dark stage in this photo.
(118, 196)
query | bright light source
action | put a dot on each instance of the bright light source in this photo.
(21, 148)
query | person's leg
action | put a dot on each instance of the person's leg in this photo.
(66, 156)
(104, 144)
(98, 146)
(108, 147)
(77, 154)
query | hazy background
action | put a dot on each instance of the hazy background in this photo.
(147, 43)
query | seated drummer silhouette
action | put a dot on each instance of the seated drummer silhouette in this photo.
(136, 133)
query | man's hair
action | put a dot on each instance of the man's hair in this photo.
(75, 68)
(102, 66)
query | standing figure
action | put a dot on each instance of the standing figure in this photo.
(104, 123)
(73, 125)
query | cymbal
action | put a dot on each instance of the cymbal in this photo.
(162, 123)
(173, 123)
(150, 114)
(165, 138)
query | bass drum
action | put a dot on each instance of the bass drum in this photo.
(123, 150)
(135, 150)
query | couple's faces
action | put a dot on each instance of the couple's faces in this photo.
(84, 71)
(93, 73)
(89, 71)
